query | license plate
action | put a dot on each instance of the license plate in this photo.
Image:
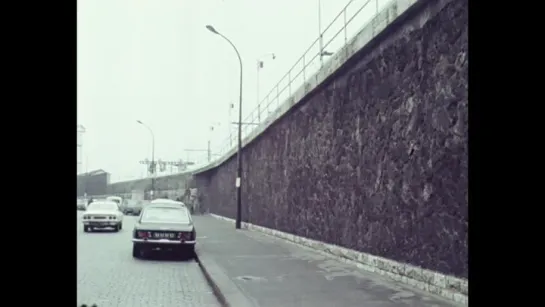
(163, 235)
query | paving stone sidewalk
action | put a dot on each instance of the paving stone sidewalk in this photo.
(271, 272)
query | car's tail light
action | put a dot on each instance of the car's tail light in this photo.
(187, 236)
(143, 234)
(184, 236)
(193, 235)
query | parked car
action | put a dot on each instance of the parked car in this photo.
(102, 214)
(123, 206)
(166, 227)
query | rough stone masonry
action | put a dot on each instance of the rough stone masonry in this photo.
(376, 159)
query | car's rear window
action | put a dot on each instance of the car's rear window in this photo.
(102, 206)
(165, 215)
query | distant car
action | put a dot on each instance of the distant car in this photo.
(133, 207)
(91, 200)
(166, 227)
(123, 205)
(118, 200)
(102, 214)
(81, 204)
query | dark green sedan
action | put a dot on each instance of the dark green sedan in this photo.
(164, 227)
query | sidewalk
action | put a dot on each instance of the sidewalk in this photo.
(270, 272)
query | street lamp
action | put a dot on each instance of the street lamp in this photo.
(259, 66)
(152, 166)
(239, 151)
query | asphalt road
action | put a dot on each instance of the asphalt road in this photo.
(109, 276)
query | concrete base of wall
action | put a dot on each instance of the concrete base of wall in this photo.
(453, 288)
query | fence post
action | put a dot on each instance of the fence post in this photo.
(304, 68)
(278, 94)
(345, 25)
(268, 104)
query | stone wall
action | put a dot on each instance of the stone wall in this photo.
(376, 159)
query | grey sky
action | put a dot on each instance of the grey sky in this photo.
(153, 60)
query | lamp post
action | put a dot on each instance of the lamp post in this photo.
(321, 38)
(322, 52)
(259, 66)
(239, 151)
(212, 126)
(152, 165)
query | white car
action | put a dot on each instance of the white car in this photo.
(102, 214)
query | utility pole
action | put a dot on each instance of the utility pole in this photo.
(238, 222)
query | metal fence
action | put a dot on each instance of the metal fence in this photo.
(346, 24)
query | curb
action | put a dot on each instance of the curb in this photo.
(225, 290)
(215, 288)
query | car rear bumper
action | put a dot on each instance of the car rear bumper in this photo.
(101, 224)
(165, 242)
